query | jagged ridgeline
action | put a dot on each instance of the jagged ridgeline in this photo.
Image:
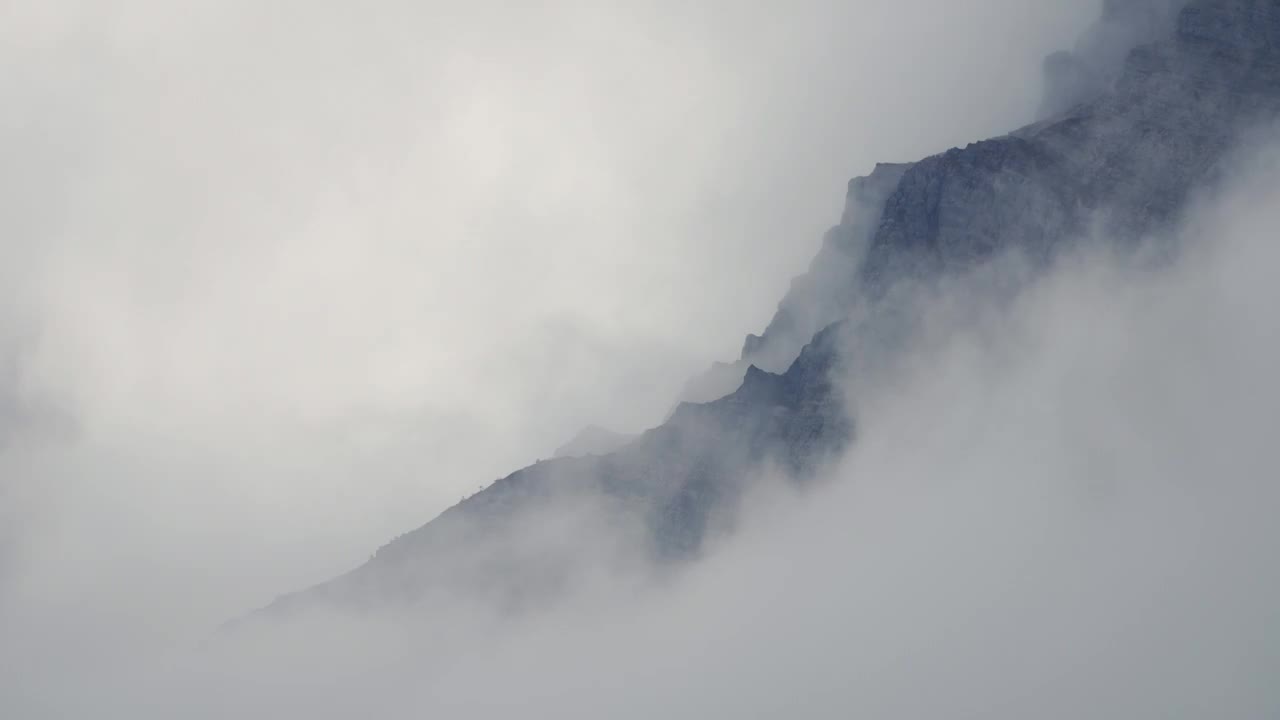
(1137, 118)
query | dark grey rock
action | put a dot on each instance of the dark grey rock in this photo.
(1121, 167)
(823, 294)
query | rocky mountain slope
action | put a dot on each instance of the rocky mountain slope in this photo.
(1128, 142)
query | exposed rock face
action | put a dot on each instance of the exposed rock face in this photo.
(822, 296)
(1120, 165)
(816, 299)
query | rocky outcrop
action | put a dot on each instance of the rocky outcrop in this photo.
(816, 299)
(823, 294)
(1121, 167)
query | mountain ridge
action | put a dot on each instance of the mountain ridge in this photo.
(1121, 164)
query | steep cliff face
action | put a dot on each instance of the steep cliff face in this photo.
(818, 298)
(1118, 166)
(822, 296)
